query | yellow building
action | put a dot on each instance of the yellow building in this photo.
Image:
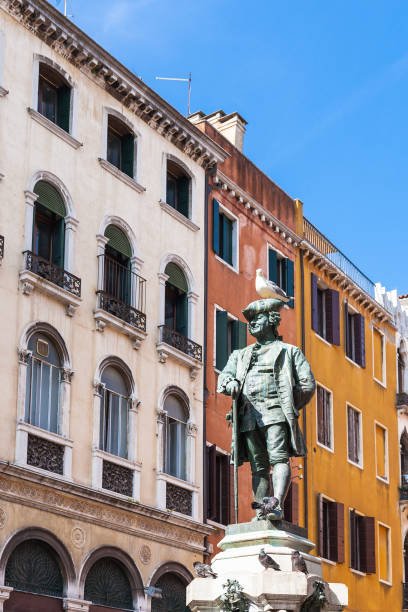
(351, 473)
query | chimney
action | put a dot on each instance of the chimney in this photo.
(231, 126)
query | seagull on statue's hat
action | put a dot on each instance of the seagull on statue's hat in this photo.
(258, 306)
(268, 289)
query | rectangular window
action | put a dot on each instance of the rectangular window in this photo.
(230, 334)
(381, 451)
(120, 149)
(384, 556)
(325, 311)
(54, 97)
(354, 332)
(331, 529)
(282, 272)
(178, 187)
(354, 442)
(219, 486)
(362, 543)
(225, 234)
(378, 356)
(324, 417)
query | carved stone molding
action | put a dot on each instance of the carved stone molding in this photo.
(45, 454)
(192, 429)
(145, 554)
(67, 375)
(24, 356)
(3, 517)
(78, 537)
(99, 387)
(179, 499)
(117, 478)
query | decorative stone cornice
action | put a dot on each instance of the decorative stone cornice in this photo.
(46, 22)
(25, 486)
(251, 205)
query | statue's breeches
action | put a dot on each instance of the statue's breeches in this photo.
(267, 446)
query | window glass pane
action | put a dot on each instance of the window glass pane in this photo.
(28, 391)
(35, 393)
(45, 396)
(47, 104)
(171, 193)
(182, 451)
(114, 149)
(123, 433)
(103, 421)
(175, 408)
(113, 425)
(172, 447)
(378, 355)
(114, 381)
(55, 392)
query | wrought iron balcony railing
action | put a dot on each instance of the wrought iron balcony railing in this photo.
(52, 273)
(123, 294)
(329, 250)
(1, 247)
(180, 342)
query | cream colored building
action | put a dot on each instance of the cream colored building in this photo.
(102, 198)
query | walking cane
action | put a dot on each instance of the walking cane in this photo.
(235, 448)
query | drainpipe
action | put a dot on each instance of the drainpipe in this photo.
(302, 294)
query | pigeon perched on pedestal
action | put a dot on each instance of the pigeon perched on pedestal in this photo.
(203, 570)
(268, 289)
(266, 506)
(267, 561)
(298, 563)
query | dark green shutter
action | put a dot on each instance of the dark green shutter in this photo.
(183, 195)
(226, 239)
(284, 268)
(63, 107)
(58, 242)
(238, 335)
(118, 240)
(216, 227)
(272, 266)
(313, 295)
(182, 314)
(176, 277)
(290, 281)
(50, 197)
(221, 348)
(128, 148)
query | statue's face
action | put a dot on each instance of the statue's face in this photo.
(259, 325)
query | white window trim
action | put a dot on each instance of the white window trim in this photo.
(73, 111)
(230, 317)
(235, 239)
(352, 569)
(133, 181)
(382, 382)
(192, 211)
(389, 555)
(327, 448)
(354, 363)
(322, 339)
(361, 464)
(386, 480)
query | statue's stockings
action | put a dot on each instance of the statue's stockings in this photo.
(281, 477)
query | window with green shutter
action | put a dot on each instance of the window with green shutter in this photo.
(176, 303)
(49, 224)
(281, 271)
(120, 146)
(117, 267)
(54, 97)
(178, 188)
(230, 335)
(223, 234)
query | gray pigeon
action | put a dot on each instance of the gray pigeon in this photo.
(203, 570)
(267, 561)
(266, 506)
(298, 563)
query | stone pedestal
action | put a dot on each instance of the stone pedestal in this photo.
(265, 590)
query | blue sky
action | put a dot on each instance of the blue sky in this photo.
(323, 86)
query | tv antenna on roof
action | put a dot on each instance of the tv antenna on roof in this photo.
(184, 81)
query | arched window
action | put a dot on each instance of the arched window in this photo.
(107, 584)
(178, 188)
(33, 567)
(115, 404)
(120, 150)
(42, 406)
(54, 96)
(176, 304)
(175, 437)
(173, 594)
(49, 228)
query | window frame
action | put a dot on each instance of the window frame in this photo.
(220, 452)
(353, 312)
(330, 392)
(353, 569)
(234, 239)
(189, 220)
(361, 453)
(182, 426)
(321, 499)
(389, 553)
(382, 382)
(230, 318)
(385, 479)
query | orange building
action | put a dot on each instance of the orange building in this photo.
(251, 224)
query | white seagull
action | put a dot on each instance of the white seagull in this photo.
(268, 289)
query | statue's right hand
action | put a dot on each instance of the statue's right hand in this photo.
(233, 388)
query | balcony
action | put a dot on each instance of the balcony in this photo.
(331, 252)
(121, 302)
(181, 349)
(41, 274)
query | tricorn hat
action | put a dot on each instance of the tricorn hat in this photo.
(267, 305)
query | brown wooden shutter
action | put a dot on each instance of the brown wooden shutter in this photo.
(231, 494)
(351, 434)
(347, 347)
(313, 293)
(353, 540)
(212, 482)
(336, 535)
(295, 503)
(359, 332)
(367, 544)
(320, 523)
(332, 316)
(225, 494)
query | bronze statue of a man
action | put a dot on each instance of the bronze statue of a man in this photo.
(272, 381)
